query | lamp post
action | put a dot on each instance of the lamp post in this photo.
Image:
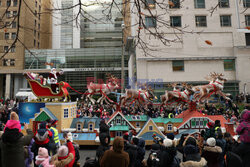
(122, 61)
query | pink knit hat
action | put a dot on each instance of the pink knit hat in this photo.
(14, 122)
(43, 152)
(63, 151)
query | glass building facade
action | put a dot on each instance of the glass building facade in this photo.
(100, 51)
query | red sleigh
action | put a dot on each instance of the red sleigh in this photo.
(42, 92)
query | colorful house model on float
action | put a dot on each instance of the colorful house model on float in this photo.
(194, 122)
(85, 130)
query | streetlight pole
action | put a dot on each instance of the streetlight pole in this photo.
(122, 61)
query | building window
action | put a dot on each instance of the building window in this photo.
(170, 127)
(35, 13)
(13, 49)
(118, 121)
(118, 133)
(197, 123)
(247, 18)
(178, 65)
(7, 36)
(79, 127)
(38, 44)
(150, 4)
(0, 3)
(199, 4)
(35, 23)
(246, 3)
(175, 4)
(229, 65)
(13, 36)
(91, 127)
(12, 62)
(13, 24)
(36, 4)
(201, 123)
(8, 3)
(201, 21)
(38, 35)
(175, 21)
(224, 3)
(38, 26)
(7, 14)
(6, 62)
(137, 124)
(150, 128)
(39, 9)
(6, 48)
(225, 21)
(35, 33)
(66, 113)
(247, 36)
(150, 21)
(14, 13)
(39, 16)
(34, 43)
(14, 2)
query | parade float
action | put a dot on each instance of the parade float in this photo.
(56, 105)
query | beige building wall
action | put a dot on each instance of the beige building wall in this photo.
(33, 24)
(199, 58)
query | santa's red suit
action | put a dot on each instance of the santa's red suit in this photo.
(53, 75)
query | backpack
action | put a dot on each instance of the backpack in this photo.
(43, 137)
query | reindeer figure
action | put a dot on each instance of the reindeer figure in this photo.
(140, 95)
(177, 95)
(106, 89)
(215, 85)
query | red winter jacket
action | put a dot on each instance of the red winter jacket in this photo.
(67, 161)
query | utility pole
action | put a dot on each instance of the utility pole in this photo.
(122, 61)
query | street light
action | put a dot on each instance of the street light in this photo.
(122, 61)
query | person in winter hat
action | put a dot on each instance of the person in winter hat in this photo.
(192, 157)
(212, 153)
(42, 139)
(244, 131)
(140, 143)
(168, 155)
(65, 156)
(13, 142)
(43, 158)
(13, 123)
(29, 154)
(244, 128)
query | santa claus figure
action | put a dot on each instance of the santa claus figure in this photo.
(53, 75)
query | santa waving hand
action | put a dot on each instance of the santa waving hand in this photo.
(53, 75)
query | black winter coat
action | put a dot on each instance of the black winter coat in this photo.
(12, 147)
(132, 152)
(167, 157)
(243, 150)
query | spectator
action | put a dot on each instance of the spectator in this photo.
(222, 144)
(55, 142)
(140, 143)
(209, 132)
(104, 141)
(130, 149)
(116, 157)
(168, 155)
(244, 131)
(42, 159)
(233, 160)
(68, 136)
(13, 142)
(212, 153)
(192, 157)
(42, 139)
(65, 156)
